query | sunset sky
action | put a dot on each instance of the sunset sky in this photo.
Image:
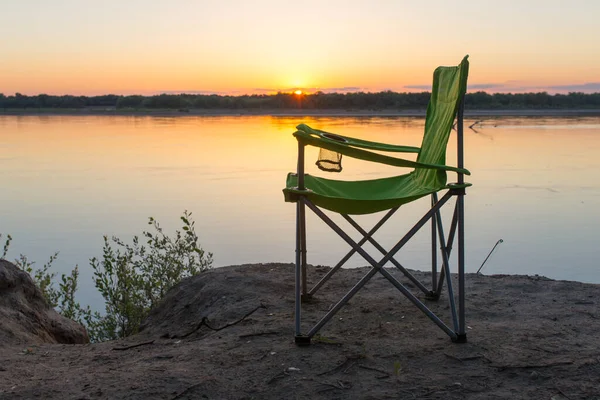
(263, 46)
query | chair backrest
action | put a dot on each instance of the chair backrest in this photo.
(449, 87)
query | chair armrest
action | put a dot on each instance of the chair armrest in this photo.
(321, 141)
(354, 142)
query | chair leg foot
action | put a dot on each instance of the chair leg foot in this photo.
(302, 340)
(433, 296)
(462, 338)
(306, 298)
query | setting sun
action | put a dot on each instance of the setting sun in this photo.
(298, 92)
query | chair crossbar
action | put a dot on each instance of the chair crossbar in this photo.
(351, 252)
(446, 268)
(392, 260)
(448, 247)
(378, 266)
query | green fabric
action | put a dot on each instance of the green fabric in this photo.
(428, 176)
(358, 197)
(449, 86)
(346, 149)
(350, 141)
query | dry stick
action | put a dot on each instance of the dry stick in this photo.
(489, 254)
(561, 392)
(475, 123)
(180, 395)
(528, 366)
(352, 364)
(263, 356)
(133, 345)
(278, 376)
(342, 366)
(373, 369)
(328, 389)
(462, 359)
(588, 314)
(259, 334)
(339, 385)
(204, 322)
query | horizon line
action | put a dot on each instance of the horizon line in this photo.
(588, 88)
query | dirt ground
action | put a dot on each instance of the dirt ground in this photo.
(228, 334)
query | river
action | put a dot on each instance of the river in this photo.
(68, 180)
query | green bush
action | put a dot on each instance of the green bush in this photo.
(132, 278)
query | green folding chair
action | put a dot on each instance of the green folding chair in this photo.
(427, 178)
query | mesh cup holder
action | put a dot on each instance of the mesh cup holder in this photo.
(330, 161)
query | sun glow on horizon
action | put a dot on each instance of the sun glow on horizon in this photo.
(298, 92)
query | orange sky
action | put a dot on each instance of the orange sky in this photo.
(262, 46)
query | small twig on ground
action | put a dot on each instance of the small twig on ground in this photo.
(343, 366)
(561, 392)
(430, 392)
(278, 376)
(245, 335)
(133, 345)
(528, 366)
(373, 369)
(339, 385)
(205, 322)
(588, 314)
(352, 364)
(462, 359)
(180, 395)
(327, 389)
(263, 356)
(475, 123)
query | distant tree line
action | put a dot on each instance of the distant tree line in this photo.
(387, 100)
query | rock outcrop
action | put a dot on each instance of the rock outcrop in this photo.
(26, 317)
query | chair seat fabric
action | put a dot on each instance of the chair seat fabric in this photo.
(358, 197)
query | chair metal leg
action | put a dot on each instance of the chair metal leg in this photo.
(302, 228)
(297, 316)
(446, 266)
(460, 207)
(434, 293)
(462, 333)
(300, 274)
(448, 247)
(406, 273)
(366, 237)
(378, 267)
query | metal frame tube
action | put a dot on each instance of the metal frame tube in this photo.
(302, 217)
(461, 225)
(433, 249)
(384, 252)
(300, 168)
(330, 273)
(461, 267)
(448, 248)
(300, 271)
(460, 161)
(417, 226)
(446, 266)
(297, 298)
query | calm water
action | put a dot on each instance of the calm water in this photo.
(67, 181)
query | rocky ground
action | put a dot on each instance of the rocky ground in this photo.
(228, 334)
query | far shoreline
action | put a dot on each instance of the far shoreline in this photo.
(297, 112)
